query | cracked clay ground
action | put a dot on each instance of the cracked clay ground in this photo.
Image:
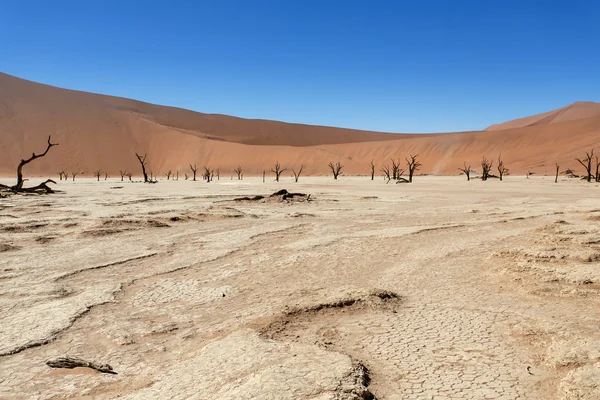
(443, 289)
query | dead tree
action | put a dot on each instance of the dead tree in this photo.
(277, 170)
(297, 174)
(486, 167)
(123, 174)
(218, 174)
(386, 171)
(41, 188)
(529, 173)
(74, 362)
(597, 170)
(73, 175)
(168, 174)
(372, 170)
(264, 175)
(97, 174)
(208, 174)
(129, 175)
(142, 161)
(336, 169)
(239, 172)
(194, 169)
(176, 176)
(570, 173)
(587, 164)
(395, 169)
(62, 174)
(413, 166)
(502, 170)
(186, 176)
(466, 170)
(556, 176)
(105, 176)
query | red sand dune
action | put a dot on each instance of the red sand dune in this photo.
(103, 132)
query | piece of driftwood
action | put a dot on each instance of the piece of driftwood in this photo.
(74, 362)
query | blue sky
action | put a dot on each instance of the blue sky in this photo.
(400, 66)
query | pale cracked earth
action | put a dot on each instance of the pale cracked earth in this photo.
(443, 289)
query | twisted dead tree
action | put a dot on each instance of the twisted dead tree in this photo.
(176, 178)
(42, 187)
(597, 170)
(168, 174)
(74, 362)
(97, 174)
(466, 170)
(123, 174)
(142, 161)
(129, 175)
(386, 172)
(239, 172)
(486, 167)
(194, 169)
(502, 170)
(105, 175)
(186, 176)
(208, 174)
(556, 176)
(277, 170)
(395, 169)
(336, 169)
(62, 174)
(372, 166)
(297, 174)
(413, 166)
(587, 164)
(73, 175)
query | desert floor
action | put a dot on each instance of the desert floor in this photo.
(442, 289)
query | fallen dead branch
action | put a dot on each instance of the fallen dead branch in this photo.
(74, 362)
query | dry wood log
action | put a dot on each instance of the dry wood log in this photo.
(74, 362)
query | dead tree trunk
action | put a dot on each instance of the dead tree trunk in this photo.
(372, 170)
(168, 174)
(556, 176)
(186, 176)
(486, 166)
(74, 174)
(97, 174)
(264, 175)
(466, 170)
(208, 174)
(176, 176)
(413, 166)
(62, 174)
(587, 164)
(336, 169)
(19, 186)
(502, 170)
(129, 175)
(218, 174)
(277, 170)
(123, 174)
(297, 174)
(386, 171)
(194, 169)
(142, 161)
(597, 170)
(239, 172)
(74, 362)
(395, 169)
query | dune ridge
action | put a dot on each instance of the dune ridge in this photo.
(103, 132)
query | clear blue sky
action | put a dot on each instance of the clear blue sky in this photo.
(401, 66)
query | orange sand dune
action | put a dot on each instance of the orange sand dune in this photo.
(103, 132)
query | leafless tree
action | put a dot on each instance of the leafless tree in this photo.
(413, 166)
(597, 170)
(264, 175)
(208, 174)
(97, 174)
(176, 176)
(570, 173)
(372, 170)
(386, 171)
(466, 170)
(62, 174)
(142, 161)
(556, 176)
(105, 176)
(129, 175)
(297, 174)
(486, 167)
(529, 173)
(186, 177)
(123, 174)
(194, 169)
(277, 170)
(587, 164)
(218, 174)
(336, 169)
(42, 187)
(73, 175)
(168, 174)
(502, 170)
(239, 172)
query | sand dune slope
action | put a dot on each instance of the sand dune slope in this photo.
(103, 132)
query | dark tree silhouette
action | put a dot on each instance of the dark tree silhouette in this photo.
(264, 175)
(502, 170)
(413, 166)
(97, 174)
(386, 171)
(123, 174)
(186, 176)
(372, 166)
(395, 169)
(239, 172)
(142, 161)
(277, 170)
(597, 170)
(208, 174)
(194, 169)
(62, 174)
(73, 175)
(297, 174)
(587, 164)
(218, 174)
(168, 174)
(466, 170)
(129, 175)
(486, 167)
(336, 169)
(556, 176)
